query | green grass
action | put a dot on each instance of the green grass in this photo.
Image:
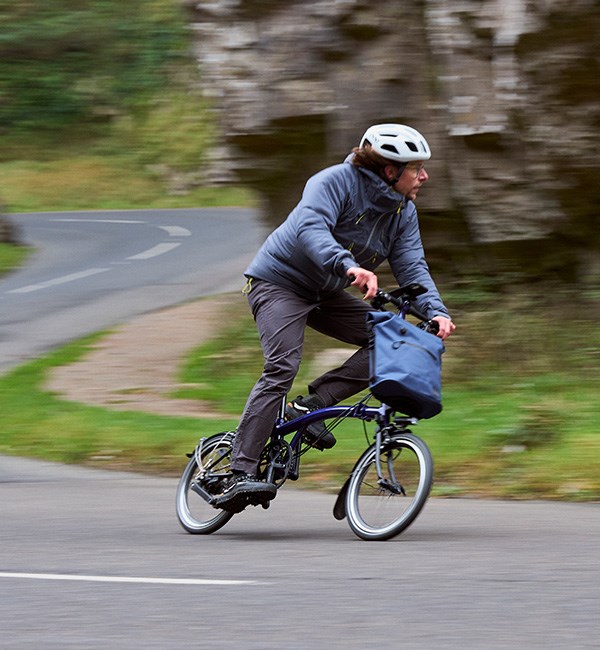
(519, 425)
(12, 257)
(98, 182)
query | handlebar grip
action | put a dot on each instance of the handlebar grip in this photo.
(431, 326)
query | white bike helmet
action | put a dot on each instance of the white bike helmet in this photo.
(397, 142)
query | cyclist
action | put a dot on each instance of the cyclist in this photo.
(351, 217)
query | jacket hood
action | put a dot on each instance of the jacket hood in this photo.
(377, 190)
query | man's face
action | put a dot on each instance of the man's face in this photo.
(413, 176)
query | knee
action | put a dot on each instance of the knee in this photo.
(278, 375)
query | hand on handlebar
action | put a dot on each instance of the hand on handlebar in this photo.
(446, 327)
(365, 280)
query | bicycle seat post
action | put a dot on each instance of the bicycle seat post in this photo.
(281, 414)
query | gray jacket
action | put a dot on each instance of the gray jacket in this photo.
(347, 217)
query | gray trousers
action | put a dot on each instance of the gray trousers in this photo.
(281, 317)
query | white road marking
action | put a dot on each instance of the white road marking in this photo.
(159, 249)
(62, 280)
(101, 220)
(153, 581)
(176, 231)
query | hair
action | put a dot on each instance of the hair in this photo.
(368, 158)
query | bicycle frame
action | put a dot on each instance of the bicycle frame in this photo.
(381, 414)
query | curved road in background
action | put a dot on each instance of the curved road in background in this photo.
(91, 270)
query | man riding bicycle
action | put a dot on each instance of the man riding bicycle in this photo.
(351, 217)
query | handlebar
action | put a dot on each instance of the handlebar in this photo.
(402, 298)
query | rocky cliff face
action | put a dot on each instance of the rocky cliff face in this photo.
(506, 92)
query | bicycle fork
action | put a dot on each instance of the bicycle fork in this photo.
(392, 484)
(389, 484)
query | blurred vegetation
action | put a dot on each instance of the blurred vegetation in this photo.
(66, 63)
(100, 106)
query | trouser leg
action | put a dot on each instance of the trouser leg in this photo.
(281, 319)
(343, 317)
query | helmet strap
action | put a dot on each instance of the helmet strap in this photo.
(392, 181)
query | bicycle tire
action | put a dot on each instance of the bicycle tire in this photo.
(195, 514)
(377, 511)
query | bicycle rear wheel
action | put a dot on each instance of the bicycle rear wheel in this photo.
(380, 508)
(195, 514)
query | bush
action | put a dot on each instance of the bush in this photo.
(63, 62)
(537, 426)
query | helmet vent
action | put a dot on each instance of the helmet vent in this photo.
(390, 147)
(412, 146)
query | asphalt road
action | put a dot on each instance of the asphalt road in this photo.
(95, 559)
(92, 270)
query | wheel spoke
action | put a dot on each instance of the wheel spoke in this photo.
(195, 514)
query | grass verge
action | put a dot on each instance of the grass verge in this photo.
(38, 424)
(12, 257)
(100, 183)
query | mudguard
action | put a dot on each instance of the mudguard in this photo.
(339, 509)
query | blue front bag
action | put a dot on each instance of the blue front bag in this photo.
(405, 365)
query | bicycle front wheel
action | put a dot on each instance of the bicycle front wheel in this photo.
(380, 507)
(195, 514)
